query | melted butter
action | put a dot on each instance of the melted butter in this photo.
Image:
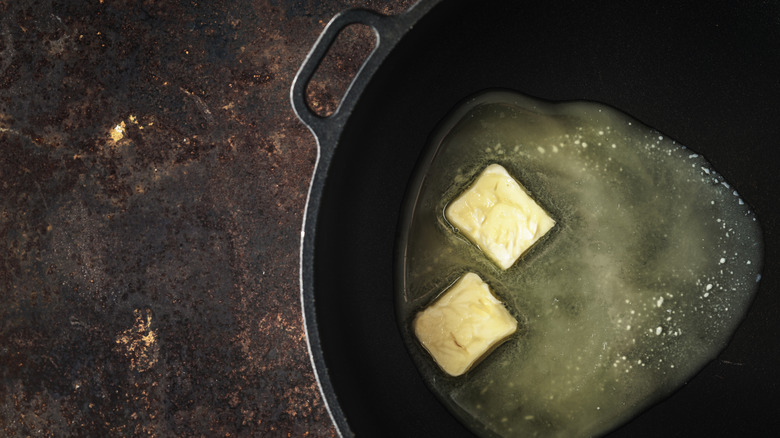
(649, 270)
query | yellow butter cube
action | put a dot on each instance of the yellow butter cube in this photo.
(498, 215)
(463, 324)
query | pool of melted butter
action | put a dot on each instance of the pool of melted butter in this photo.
(649, 270)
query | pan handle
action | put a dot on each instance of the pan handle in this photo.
(386, 32)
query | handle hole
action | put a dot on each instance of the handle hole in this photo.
(330, 81)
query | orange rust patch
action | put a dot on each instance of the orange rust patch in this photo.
(139, 342)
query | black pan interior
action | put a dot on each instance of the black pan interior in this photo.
(707, 75)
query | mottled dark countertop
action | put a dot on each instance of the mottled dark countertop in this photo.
(153, 185)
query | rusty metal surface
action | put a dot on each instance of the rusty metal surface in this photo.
(152, 185)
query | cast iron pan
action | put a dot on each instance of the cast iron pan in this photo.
(706, 74)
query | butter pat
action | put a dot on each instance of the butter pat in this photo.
(463, 324)
(498, 215)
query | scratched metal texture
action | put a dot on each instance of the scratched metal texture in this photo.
(152, 184)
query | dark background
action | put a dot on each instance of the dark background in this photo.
(152, 185)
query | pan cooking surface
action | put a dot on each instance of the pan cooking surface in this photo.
(652, 263)
(706, 77)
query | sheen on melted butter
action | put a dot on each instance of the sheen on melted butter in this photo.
(651, 265)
